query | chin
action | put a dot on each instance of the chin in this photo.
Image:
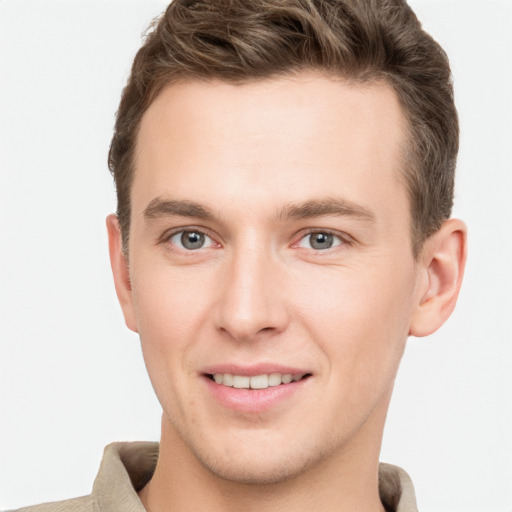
(254, 474)
(261, 467)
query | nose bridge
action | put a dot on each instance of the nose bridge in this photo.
(250, 301)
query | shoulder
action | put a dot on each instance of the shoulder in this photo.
(396, 489)
(82, 504)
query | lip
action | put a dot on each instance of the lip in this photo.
(254, 400)
(253, 370)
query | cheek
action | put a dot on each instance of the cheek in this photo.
(169, 311)
(167, 302)
(367, 296)
(360, 319)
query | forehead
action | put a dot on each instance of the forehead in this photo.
(284, 136)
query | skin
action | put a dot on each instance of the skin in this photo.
(259, 292)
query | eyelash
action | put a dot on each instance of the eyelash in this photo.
(342, 238)
(167, 237)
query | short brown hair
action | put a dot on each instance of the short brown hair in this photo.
(362, 40)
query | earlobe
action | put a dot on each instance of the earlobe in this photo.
(120, 271)
(443, 260)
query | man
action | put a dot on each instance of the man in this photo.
(284, 173)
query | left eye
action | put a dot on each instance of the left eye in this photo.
(191, 240)
(320, 241)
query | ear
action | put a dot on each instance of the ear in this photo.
(442, 262)
(121, 272)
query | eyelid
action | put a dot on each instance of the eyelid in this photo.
(167, 235)
(343, 237)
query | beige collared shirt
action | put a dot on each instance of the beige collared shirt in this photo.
(127, 467)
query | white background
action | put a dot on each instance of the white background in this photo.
(71, 374)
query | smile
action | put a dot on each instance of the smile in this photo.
(257, 381)
(257, 388)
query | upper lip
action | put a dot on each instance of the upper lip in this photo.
(253, 370)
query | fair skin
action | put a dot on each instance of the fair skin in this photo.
(270, 235)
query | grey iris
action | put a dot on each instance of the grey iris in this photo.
(192, 240)
(321, 240)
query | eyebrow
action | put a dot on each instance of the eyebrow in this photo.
(328, 206)
(159, 207)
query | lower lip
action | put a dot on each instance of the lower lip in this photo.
(254, 400)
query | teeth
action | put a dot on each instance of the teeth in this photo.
(226, 379)
(240, 381)
(257, 381)
(274, 379)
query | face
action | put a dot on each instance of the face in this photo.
(271, 273)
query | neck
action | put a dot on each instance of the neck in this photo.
(345, 481)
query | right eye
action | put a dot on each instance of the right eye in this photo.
(191, 240)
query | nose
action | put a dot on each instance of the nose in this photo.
(252, 301)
